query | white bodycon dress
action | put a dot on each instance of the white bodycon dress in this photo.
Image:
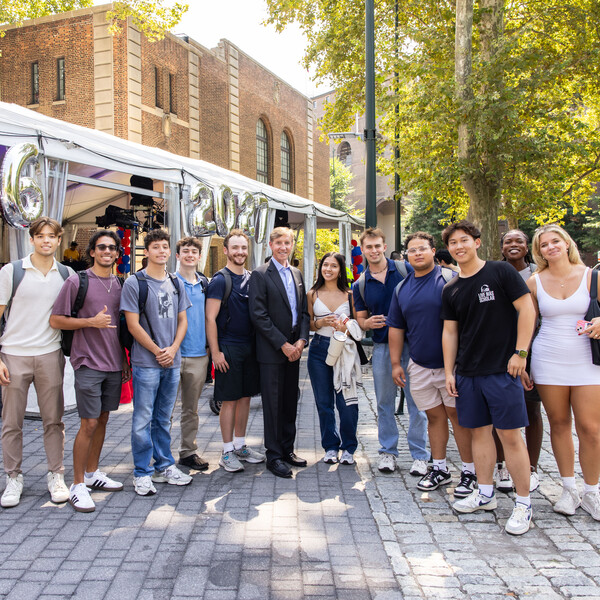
(559, 355)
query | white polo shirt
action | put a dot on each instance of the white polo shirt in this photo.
(28, 331)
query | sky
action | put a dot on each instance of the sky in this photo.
(239, 21)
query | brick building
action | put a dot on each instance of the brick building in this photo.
(217, 105)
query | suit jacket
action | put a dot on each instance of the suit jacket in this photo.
(271, 314)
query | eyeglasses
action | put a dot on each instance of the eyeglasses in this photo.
(420, 250)
(103, 247)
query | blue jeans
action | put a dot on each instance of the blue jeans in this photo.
(326, 398)
(154, 394)
(385, 392)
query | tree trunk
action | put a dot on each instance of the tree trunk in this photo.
(481, 174)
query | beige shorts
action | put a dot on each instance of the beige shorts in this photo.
(428, 387)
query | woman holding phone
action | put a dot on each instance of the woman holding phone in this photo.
(561, 364)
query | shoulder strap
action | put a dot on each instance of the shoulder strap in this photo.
(401, 266)
(228, 287)
(447, 274)
(81, 293)
(594, 285)
(361, 286)
(143, 291)
(175, 281)
(18, 274)
(63, 270)
(201, 277)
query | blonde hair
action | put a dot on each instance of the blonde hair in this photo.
(572, 251)
(281, 232)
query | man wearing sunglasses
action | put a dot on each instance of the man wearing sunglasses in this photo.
(98, 360)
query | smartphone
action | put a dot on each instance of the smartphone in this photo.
(582, 325)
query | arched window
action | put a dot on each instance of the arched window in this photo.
(262, 152)
(345, 154)
(286, 163)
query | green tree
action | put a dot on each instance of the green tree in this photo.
(497, 102)
(340, 180)
(152, 17)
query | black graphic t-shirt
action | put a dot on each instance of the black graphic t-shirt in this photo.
(487, 320)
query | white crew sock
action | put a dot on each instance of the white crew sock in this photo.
(239, 442)
(590, 488)
(227, 447)
(440, 464)
(486, 489)
(526, 500)
(569, 482)
(468, 468)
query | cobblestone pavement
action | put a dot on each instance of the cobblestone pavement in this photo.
(331, 532)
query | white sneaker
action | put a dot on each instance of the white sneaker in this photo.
(12, 493)
(331, 457)
(143, 486)
(249, 455)
(387, 463)
(59, 492)
(568, 503)
(475, 502)
(534, 481)
(171, 475)
(347, 458)
(80, 499)
(503, 480)
(419, 467)
(591, 503)
(101, 481)
(519, 521)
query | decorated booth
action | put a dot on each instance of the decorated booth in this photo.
(81, 176)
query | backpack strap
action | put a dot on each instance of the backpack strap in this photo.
(81, 293)
(64, 271)
(361, 286)
(143, 298)
(401, 267)
(18, 274)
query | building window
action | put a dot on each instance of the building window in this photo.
(286, 163)
(262, 152)
(171, 93)
(345, 154)
(35, 83)
(60, 78)
(157, 101)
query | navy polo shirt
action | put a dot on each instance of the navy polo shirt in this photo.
(378, 296)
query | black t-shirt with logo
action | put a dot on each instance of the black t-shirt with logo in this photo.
(487, 320)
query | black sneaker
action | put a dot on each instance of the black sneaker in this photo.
(468, 483)
(194, 462)
(433, 480)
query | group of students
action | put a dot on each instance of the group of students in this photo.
(165, 315)
(462, 339)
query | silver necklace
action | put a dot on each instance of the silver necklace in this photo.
(112, 279)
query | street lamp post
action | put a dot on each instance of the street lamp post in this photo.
(370, 130)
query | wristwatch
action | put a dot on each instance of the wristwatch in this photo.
(522, 353)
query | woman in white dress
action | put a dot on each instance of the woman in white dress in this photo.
(327, 300)
(561, 364)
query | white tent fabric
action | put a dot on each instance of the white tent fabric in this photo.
(85, 148)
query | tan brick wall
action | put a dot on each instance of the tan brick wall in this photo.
(221, 93)
(71, 38)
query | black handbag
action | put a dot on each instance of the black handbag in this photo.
(359, 347)
(594, 311)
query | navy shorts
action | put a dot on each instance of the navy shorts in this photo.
(496, 400)
(242, 379)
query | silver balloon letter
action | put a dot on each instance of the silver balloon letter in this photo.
(21, 199)
(245, 219)
(261, 216)
(224, 211)
(201, 199)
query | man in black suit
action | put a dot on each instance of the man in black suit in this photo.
(278, 310)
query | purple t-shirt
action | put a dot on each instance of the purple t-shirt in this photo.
(95, 348)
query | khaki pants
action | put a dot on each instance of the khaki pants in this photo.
(46, 373)
(193, 377)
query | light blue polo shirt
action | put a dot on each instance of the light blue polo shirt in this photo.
(194, 342)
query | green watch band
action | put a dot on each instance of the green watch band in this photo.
(522, 353)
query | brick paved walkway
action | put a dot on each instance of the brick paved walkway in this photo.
(331, 532)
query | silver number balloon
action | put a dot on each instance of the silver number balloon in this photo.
(261, 215)
(245, 218)
(224, 210)
(21, 199)
(201, 200)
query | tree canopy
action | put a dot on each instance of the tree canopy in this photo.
(152, 17)
(526, 101)
(340, 179)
